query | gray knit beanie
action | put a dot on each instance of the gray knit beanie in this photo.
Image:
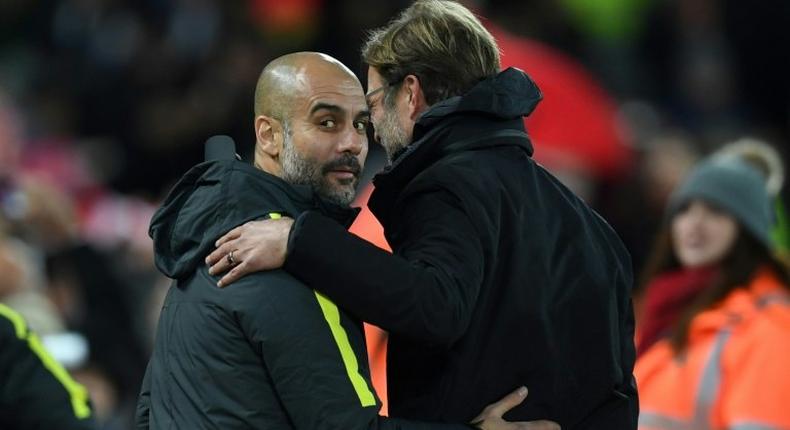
(732, 186)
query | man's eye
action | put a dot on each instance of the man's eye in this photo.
(361, 126)
(328, 123)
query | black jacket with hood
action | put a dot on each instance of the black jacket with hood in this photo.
(264, 353)
(501, 275)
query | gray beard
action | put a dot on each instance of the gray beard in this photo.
(301, 171)
(392, 136)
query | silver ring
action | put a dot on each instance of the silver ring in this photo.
(230, 258)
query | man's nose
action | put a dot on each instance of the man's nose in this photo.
(376, 137)
(353, 142)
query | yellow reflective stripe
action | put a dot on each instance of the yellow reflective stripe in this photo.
(275, 215)
(332, 316)
(16, 320)
(753, 426)
(77, 393)
(655, 420)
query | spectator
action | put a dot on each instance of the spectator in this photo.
(717, 308)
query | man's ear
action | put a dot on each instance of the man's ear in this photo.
(268, 136)
(415, 96)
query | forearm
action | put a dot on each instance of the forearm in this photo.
(409, 298)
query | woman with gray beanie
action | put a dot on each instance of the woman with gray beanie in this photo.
(714, 338)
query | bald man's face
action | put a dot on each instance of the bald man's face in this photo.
(326, 143)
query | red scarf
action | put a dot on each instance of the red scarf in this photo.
(666, 297)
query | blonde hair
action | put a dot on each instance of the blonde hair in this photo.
(440, 42)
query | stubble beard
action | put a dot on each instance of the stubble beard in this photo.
(391, 134)
(300, 170)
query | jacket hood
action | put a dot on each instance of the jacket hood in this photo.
(213, 198)
(487, 116)
(508, 95)
(496, 104)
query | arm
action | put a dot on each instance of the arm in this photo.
(37, 391)
(426, 291)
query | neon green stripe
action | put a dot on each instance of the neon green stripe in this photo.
(275, 215)
(332, 316)
(16, 320)
(77, 393)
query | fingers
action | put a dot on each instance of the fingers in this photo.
(233, 234)
(218, 254)
(255, 246)
(507, 403)
(503, 405)
(243, 269)
(224, 245)
(218, 260)
(540, 425)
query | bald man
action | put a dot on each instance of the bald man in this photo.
(268, 352)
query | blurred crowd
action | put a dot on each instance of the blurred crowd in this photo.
(105, 103)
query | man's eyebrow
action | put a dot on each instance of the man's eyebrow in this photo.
(364, 113)
(326, 106)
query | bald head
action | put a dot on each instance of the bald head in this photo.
(292, 76)
(311, 120)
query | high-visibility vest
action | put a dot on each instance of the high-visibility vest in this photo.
(367, 227)
(735, 372)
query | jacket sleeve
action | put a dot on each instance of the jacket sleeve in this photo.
(315, 357)
(142, 414)
(35, 388)
(426, 291)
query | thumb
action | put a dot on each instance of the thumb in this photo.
(508, 402)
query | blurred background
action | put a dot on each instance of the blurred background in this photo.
(105, 103)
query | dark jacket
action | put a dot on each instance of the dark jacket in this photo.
(35, 391)
(263, 353)
(501, 275)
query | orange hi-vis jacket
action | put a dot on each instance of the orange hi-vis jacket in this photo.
(735, 372)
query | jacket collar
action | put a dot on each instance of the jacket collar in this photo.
(742, 304)
(215, 196)
(489, 115)
(495, 103)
